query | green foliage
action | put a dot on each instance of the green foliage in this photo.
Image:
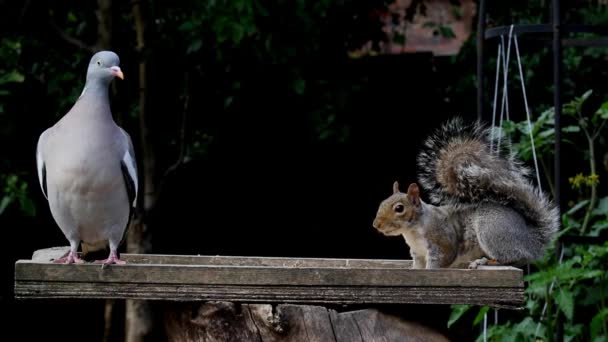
(286, 38)
(579, 294)
(573, 288)
(521, 331)
(9, 73)
(15, 193)
(230, 21)
(457, 312)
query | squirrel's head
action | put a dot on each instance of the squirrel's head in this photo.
(399, 212)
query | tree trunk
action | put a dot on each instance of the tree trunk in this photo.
(138, 319)
(104, 42)
(104, 24)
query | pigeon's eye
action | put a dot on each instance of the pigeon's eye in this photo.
(399, 208)
(99, 63)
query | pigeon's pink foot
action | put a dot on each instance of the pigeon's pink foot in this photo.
(112, 259)
(71, 258)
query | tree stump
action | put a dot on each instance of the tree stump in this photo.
(228, 321)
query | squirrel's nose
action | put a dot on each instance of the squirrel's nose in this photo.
(377, 223)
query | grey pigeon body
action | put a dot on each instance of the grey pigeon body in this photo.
(86, 166)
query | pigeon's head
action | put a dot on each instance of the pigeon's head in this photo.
(104, 66)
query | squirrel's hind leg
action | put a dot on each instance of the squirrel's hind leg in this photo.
(483, 262)
(504, 236)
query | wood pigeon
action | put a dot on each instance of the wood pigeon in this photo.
(87, 169)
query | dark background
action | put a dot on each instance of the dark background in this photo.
(290, 145)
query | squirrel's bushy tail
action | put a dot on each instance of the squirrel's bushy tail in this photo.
(458, 167)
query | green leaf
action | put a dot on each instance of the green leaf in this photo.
(592, 296)
(585, 96)
(186, 26)
(565, 300)
(577, 207)
(12, 76)
(508, 126)
(27, 206)
(482, 312)
(569, 109)
(598, 227)
(602, 112)
(72, 17)
(590, 274)
(602, 207)
(238, 32)
(571, 129)
(261, 10)
(228, 101)
(194, 46)
(299, 85)
(239, 5)
(457, 312)
(573, 332)
(598, 322)
(6, 200)
(546, 133)
(526, 327)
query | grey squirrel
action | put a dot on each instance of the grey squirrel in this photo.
(484, 208)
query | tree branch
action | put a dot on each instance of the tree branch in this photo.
(139, 319)
(72, 40)
(181, 158)
(597, 132)
(24, 9)
(182, 132)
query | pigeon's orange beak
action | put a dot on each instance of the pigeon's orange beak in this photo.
(117, 72)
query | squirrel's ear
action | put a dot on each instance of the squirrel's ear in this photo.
(414, 193)
(395, 187)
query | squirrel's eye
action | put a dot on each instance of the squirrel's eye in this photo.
(98, 62)
(399, 208)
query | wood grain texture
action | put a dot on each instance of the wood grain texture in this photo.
(374, 325)
(345, 327)
(265, 275)
(221, 321)
(256, 279)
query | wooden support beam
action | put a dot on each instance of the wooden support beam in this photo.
(263, 280)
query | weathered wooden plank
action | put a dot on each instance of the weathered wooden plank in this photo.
(496, 297)
(264, 261)
(259, 279)
(49, 254)
(265, 275)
